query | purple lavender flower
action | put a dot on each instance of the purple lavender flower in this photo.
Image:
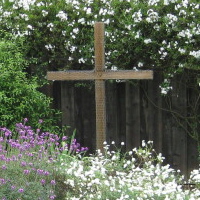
(23, 164)
(8, 159)
(57, 144)
(64, 138)
(21, 190)
(46, 173)
(2, 157)
(53, 182)
(2, 181)
(38, 130)
(7, 133)
(1, 139)
(42, 181)
(52, 197)
(40, 121)
(25, 120)
(20, 155)
(22, 132)
(40, 171)
(3, 167)
(13, 187)
(26, 171)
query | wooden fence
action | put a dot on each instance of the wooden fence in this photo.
(136, 111)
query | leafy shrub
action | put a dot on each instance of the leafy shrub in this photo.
(137, 175)
(28, 163)
(152, 34)
(19, 97)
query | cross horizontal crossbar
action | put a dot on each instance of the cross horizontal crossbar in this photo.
(101, 75)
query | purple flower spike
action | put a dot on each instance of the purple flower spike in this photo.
(40, 121)
(7, 133)
(52, 197)
(2, 181)
(23, 163)
(1, 139)
(40, 171)
(26, 171)
(3, 167)
(53, 182)
(46, 173)
(64, 138)
(42, 181)
(13, 187)
(21, 190)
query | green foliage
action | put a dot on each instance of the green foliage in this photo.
(19, 97)
(153, 34)
(137, 174)
(140, 34)
(28, 163)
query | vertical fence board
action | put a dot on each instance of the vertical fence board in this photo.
(179, 107)
(68, 105)
(86, 116)
(132, 115)
(154, 118)
(111, 111)
(121, 115)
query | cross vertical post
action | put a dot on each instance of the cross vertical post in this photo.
(100, 85)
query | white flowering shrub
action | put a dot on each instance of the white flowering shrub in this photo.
(156, 34)
(138, 174)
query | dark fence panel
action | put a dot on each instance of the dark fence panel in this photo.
(136, 111)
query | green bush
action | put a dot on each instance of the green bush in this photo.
(19, 97)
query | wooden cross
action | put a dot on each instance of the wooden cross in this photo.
(99, 75)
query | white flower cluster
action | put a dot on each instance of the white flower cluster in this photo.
(165, 88)
(137, 16)
(25, 4)
(196, 54)
(62, 15)
(108, 175)
(153, 16)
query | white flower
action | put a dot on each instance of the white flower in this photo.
(106, 182)
(196, 54)
(143, 143)
(88, 11)
(50, 26)
(24, 16)
(81, 20)
(62, 15)
(30, 27)
(81, 60)
(44, 13)
(122, 143)
(6, 14)
(182, 51)
(140, 64)
(49, 47)
(137, 35)
(137, 16)
(153, 2)
(147, 41)
(152, 16)
(114, 68)
(73, 49)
